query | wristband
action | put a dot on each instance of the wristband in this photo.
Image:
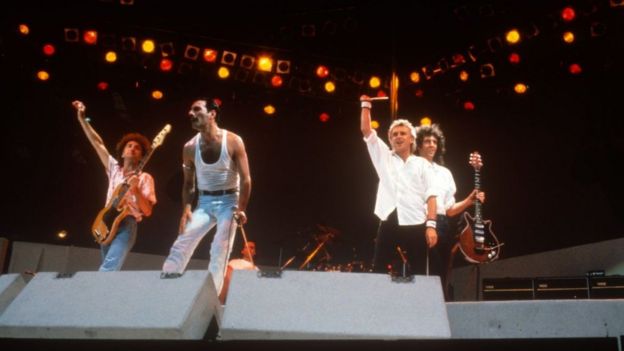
(366, 104)
(430, 223)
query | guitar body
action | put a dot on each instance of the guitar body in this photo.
(107, 221)
(473, 250)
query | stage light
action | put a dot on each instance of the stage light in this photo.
(513, 37)
(43, 75)
(322, 71)
(166, 65)
(167, 49)
(616, 3)
(495, 44)
(427, 71)
(419, 93)
(425, 121)
(110, 57)
(90, 37)
(265, 64)
(568, 37)
(283, 67)
(514, 58)
(210, 55)
(269, 109)
(148, 46)
(191, 52)
(72, 35)
(329, 86)
(247, 61)
(374, 124)
(23, 29)
(381, 93)
(457, 60)
(487, 70)
(128, 43)
(575, 68)
(223, 72)
(415, 77)
(157, 94)
(568, 14)
(102, 86)
(597, 29)
(324, 117)
(228, 58)
(276, 81)
(305, 86)
(308, 30)
(374, 82)
(62, 234)
(469, 106)
(464, 76)
(48, 49)
(521, 88)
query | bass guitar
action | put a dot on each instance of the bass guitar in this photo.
(107, 220)
(477, 240)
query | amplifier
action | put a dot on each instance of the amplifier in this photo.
(507, 289)
(561, 288)
(607, 287)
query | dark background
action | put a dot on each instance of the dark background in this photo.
(550, 155)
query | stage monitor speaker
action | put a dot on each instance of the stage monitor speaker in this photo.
(607, 287)
(10, 286)
(112, 305)
(495, 289)
(547, 288)
(333, 305)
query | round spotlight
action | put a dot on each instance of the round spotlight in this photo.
(62, 234)
(166, 65)
(157, 94)
(324, 117)
(322, 71)
(374, 82)
(575, 69)
(514, 58)
(110, 57)
(90, 37)
(469, 106)
(568, 37)
(148, 46)
(276, 81)
(568, 14)
(223, 72)
(330, 86)
(102, 86)
(415, 77)
(425, 121)
(374, 124)
(48, 49)
(269, 109)
(23, 29)
(513, 36)
(521, 88)
(43, 75)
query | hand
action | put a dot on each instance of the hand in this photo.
(365, 98)
(240, 217)
(133, 181)
(432, 237)
(187, 214)
(477, 195)
(80, 108)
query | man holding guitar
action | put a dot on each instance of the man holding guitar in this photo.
(140, 196)
(430, 144)
(216, 169)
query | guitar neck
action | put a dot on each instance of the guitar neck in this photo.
(477, 203)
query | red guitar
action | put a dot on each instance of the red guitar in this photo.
(108, 219)
(477, 240)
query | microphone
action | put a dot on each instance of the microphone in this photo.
(379, 98)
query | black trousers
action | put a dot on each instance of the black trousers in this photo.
(411, 241)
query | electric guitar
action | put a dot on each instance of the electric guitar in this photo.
(477, 240)
(107, 220)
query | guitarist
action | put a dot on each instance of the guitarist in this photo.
(430, 144)
(140, 197)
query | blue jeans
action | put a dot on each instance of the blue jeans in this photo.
(210, 211)
(114, 254)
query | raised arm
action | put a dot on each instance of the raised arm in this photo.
(242, 165)
(92, 135)
(461, 206)
(365, 115)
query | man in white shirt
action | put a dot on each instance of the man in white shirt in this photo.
(406, 198)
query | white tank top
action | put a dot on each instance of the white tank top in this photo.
(221, 175)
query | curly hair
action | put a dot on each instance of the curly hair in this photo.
(139, 138)
(435, 131)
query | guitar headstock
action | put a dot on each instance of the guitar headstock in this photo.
(475, 160)
(158, 140)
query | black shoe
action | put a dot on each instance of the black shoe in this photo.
(170, 275)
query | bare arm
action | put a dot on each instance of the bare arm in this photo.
(188, 187)
(144, 203)
(365, 117)
(431, 234)
(92, 135)
(242, 164)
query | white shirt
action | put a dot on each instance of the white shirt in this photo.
(221, 175)
(404, 185)
(447, 189)
(146, 186)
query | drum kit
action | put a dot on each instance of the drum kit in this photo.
(315, 254)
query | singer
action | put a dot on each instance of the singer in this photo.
(406, 197)
(216, 159)
(139, 199)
